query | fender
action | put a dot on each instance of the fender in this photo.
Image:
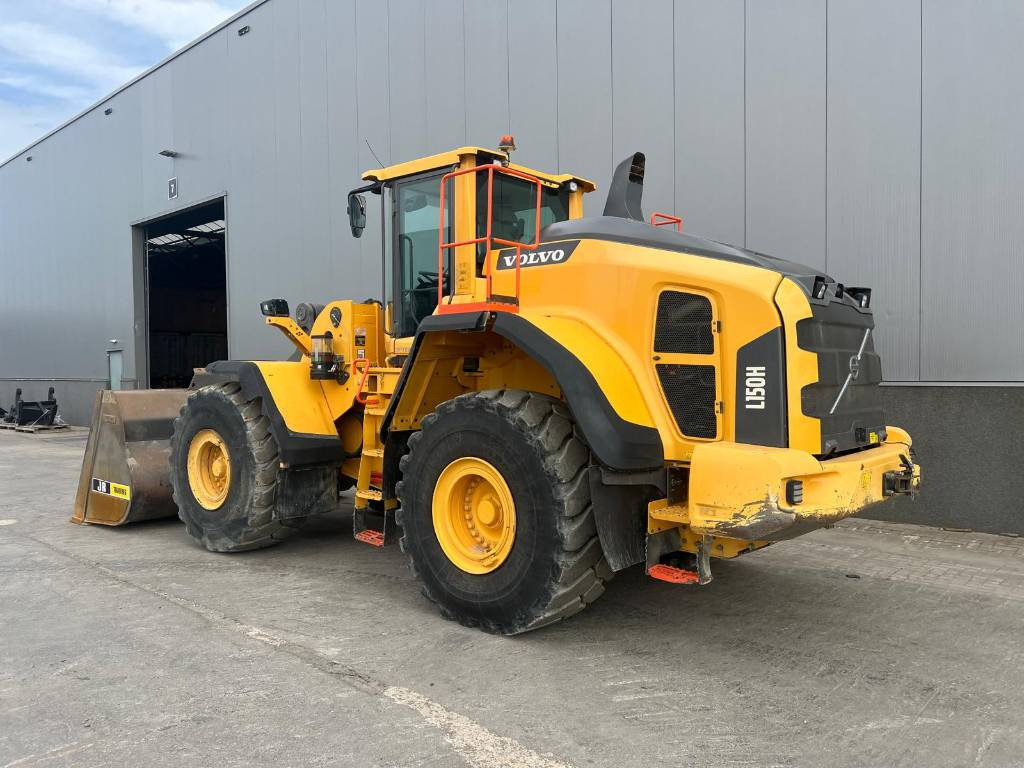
(616, 442)
(297, 448)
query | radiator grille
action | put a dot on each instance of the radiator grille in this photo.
(690, 391)
(683, 324)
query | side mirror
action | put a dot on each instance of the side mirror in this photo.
(357, 214)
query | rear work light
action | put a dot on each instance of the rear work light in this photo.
(861, 295)
(795, 492)
(820, 288)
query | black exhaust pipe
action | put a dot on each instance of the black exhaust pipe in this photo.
(626, 189)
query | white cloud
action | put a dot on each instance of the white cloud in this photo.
(40, 86)
(59, 56)
(176, 22)
(55, 51)
(21, 125)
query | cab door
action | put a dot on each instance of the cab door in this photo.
(415, 213)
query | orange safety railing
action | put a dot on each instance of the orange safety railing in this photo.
(661, 219)
(490, 303)
(361, 367)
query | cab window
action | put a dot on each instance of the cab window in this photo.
(515, 210)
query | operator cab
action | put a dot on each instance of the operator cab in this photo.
(412, 215)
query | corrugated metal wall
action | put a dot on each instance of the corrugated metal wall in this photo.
(876, 139)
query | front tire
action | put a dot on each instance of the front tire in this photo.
(224, 470)
(515, 461)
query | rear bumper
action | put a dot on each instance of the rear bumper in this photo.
(740, 491)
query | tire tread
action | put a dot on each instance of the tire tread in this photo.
(261, 529)
(581, 570)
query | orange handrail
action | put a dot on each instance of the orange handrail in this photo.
(666, 218)
(365, 370)
(489, 239)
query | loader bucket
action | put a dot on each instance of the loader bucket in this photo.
(125, 474)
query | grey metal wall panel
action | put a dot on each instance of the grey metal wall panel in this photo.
(486, 46)
(21, 259)
(642, 100)
(709, 108)
(199, 120)
(157, 131)
(873, 196)
(973, 192)
(374, 123)
(285, 95)
(315, 237)
(533, 82)
(342, 276)
(445, 74)
(66, 288)
(786, 129)
(253, 217)
(585, 93)
(407, 77)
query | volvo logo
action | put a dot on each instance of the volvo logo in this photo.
(854, 371)
(554, 253)
(854, 366)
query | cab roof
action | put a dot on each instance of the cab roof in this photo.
(454, 156)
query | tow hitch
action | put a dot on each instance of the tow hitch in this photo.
(901, 482)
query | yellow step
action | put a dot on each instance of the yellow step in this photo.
(370, 495)
(374, 453)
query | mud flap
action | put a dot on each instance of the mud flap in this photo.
(620, 521)
(125, 474)
(305, 492)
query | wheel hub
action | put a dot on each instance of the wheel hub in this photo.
(209, 469)
(474, 515)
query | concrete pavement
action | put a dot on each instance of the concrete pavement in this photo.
(872, 644)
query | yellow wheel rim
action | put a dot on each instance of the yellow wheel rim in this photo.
(474, 515)
(209, 469)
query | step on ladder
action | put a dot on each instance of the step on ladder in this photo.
(373, 518)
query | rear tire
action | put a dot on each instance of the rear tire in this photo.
(555, 566)
(245, 519)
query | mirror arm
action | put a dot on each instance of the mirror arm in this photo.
(374, 188)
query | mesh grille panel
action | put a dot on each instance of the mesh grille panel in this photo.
(690, 391)
(683, 324)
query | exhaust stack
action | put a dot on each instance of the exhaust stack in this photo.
(627, 188)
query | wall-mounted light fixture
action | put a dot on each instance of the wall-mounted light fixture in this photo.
(243, 30)
(28, 159)
(168, 153)
(108, 111)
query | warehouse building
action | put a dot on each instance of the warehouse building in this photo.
(877, 141)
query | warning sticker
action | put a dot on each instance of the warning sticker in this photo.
(111, 489)
(865, 480)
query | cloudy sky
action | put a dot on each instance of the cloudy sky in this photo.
(57, 57)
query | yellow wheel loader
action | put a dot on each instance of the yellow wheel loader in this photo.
(540, 399)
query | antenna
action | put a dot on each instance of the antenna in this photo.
(373, 153)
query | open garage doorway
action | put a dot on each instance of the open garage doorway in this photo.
(186, 293)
